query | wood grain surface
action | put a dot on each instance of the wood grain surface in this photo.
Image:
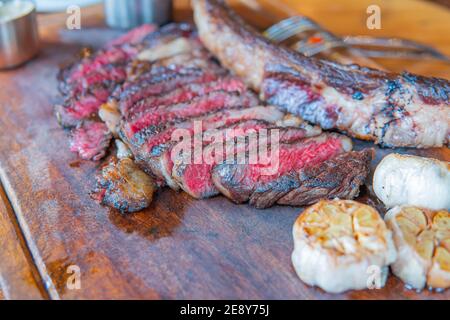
(19, 278)
(177, 248)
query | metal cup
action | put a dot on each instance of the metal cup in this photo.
(19, 39)
(126, 14)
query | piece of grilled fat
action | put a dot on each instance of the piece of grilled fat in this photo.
(341, 245)
(121, 184)
(412, 180)
(110, 115)
(173, 48)
(422, 239)
(122, 150)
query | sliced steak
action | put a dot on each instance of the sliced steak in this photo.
(338, 177)
(211, 102)
(89, 82)
(74, 74)
(185, 93)
(152, 84)
(83, 106)
(149, 137)
(194, 175)
(153, 146)
(90, 140)
(121, 50)
(73, 112)
(99, 83)
(122, 185)
(239, 182)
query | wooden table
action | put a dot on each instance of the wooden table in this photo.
(178, 248)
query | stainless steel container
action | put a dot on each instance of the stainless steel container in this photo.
(19, 39)
(126, 14)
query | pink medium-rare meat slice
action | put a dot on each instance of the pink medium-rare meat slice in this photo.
(82, 106)
(399, 110)
(90, 140)
(239, 182)
(158, 84)
(196, 179)
(107, 79)
(159, 133)
(137, 132)
(143, 72)
(88, 83)
(163, 163)
(116, 53)
(211, 102)
(70, 76)
(86, 101)
(122, 49)
(73, 112)
(182, 94)
(152, 147)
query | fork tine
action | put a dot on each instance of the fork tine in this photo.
(282, 24)
(289, 27)
(415, 48)
(286, 27)
(416, 55)
(297, 25)
(313, 49)
(283, 33)
(278, 31)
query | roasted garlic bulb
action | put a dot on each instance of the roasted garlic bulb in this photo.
(338, 242)
(422, 239)
(411, 180)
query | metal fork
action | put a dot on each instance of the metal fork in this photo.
(319, 40)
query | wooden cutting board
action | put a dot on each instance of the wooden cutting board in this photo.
(179, 247)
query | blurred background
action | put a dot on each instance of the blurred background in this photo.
(61, 5)
(423, 21)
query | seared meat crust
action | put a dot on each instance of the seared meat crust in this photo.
(398, 110)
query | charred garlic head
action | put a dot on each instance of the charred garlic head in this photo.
(337, 244)
(405, 179)
(422, 239)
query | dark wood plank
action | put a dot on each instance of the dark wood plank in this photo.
(178, 248)
(19, 278)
